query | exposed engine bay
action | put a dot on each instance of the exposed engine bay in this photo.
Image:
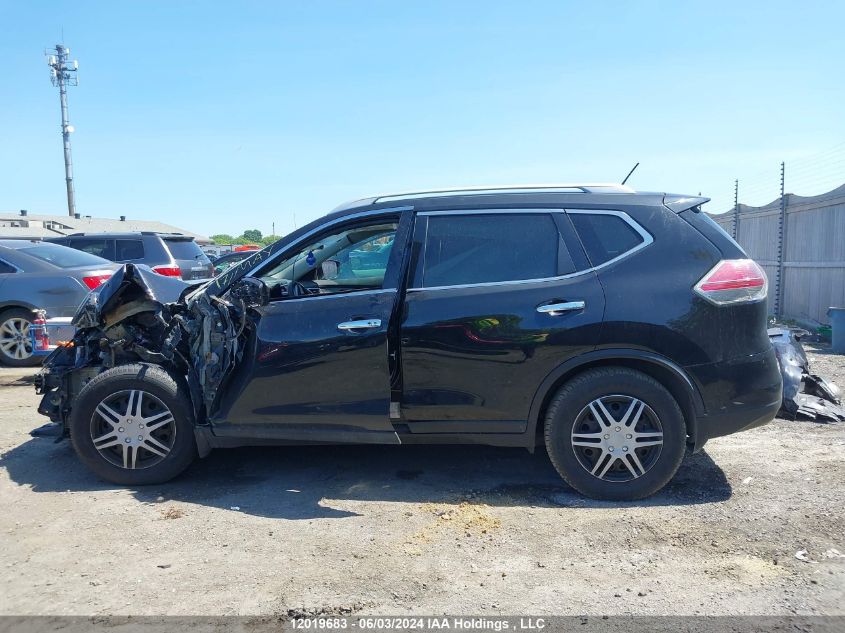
(140, 316)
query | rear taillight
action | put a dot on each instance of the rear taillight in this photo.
(168, 271)
(96, 280)
(733, 281)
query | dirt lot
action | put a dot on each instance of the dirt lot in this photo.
(425, 530)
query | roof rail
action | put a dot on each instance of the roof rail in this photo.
(96, 233)
(476, 191)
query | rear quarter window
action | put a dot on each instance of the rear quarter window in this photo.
(605, 236)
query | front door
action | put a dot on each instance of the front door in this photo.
(497, 300)
(319, 365)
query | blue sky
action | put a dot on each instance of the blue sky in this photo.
(219, 116)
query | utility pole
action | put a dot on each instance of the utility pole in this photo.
(736, 210)
(64, 75)
(779, 282)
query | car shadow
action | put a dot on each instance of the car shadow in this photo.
(304, 482)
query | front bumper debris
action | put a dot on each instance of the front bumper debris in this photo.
(805, 395)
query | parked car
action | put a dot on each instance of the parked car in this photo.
(224, 262)
(169, 254)
(616, 328)
(35, 275)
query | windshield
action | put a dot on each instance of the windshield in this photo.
(62, 256)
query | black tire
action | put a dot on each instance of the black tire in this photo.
(5, 357)
(150, 379)
(571, 405)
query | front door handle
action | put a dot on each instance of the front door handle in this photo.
(362, 324)
(558, 308)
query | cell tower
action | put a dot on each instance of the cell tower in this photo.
(63, 74)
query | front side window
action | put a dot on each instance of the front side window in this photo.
(344, 261)
(489, 248)
(605, 236)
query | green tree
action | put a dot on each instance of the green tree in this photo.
(269, 239)
(223, 238)
(252, 235)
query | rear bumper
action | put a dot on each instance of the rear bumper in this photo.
(738, 395)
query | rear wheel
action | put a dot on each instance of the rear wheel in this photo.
(615, 433)
(132, 426)
(15, 338)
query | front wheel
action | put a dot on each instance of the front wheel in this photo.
(132, 426)
(615, 433)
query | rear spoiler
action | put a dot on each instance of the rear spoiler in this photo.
(678, 203)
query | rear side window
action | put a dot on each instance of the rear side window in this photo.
(125, 250)
(6, 268)
(605, 236)
(94, 246)
(184, 249)
(63, 257)
(489, 248)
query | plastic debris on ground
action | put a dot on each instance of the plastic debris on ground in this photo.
(805, 395)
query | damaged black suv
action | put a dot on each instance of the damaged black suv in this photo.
(616, 328)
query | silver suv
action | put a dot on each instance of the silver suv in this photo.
(169, 254)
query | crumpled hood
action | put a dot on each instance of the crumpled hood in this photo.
(130, 282)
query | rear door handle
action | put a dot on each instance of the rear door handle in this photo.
(362, 324)
(558, 308)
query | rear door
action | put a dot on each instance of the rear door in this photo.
(496, 301)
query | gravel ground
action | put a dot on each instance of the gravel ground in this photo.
(422, 530)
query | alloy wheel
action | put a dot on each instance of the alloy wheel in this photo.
(617, 438)
(15, 341)
(133, 429)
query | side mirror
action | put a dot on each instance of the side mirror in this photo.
(329, 269)
(252, 291)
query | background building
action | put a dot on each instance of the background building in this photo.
(21, 224)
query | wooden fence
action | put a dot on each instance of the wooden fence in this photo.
(807, 268)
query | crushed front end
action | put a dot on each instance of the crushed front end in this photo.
(140, 316)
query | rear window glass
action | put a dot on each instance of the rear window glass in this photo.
(125, 250)
(184, 249)
(62, 256)
(604, 236)
(470, 249)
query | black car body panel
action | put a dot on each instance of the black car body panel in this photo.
(457, 342)
(475, 361)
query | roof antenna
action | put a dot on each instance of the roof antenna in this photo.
(630, 172)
